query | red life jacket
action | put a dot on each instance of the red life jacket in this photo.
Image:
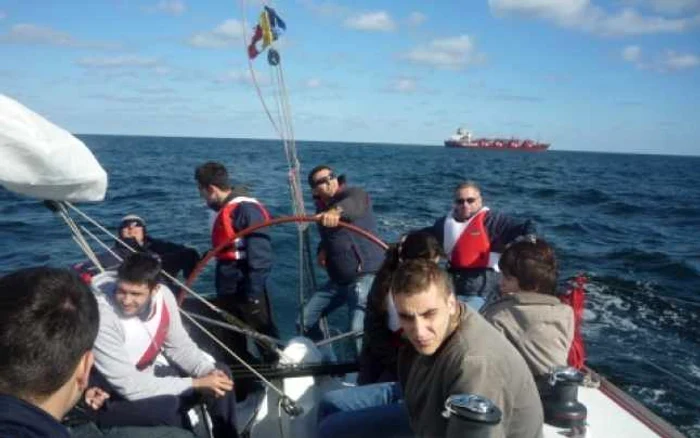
(222, 231)
(473, 246)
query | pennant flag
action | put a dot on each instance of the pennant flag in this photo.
(269, 28)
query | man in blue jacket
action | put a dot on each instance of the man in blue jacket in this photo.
(350, 259)
(48, 323)
(243, 267)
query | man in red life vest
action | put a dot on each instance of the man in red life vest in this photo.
(472, 236)
(243, 267)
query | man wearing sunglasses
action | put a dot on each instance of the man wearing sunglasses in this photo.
(473, 236)
(350, 259)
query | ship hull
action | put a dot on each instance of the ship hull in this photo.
(473, 145)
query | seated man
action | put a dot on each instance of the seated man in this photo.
(142, 350)
(454, 351)
(528, 312)
(472, 236)
(48, 323)
(175, 258)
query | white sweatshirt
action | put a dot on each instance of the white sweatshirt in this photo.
(115, 361)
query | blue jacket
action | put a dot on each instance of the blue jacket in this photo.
(249, 275)
(348, 255)
(19, 419)
(500, 228)
(174, 257)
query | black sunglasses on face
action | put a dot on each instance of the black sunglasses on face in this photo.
(460, 201)
(325, 180)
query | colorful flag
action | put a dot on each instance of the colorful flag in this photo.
(269, 28)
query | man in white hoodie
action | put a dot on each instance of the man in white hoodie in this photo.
(147, 359)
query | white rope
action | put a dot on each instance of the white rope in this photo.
(231, 352)
(355, 333)
(193, 317)
(272, 343)
(285, 131)
(78, 238)
(221, 324)
(224, 325)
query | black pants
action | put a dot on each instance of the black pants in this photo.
(253, 311)
(165, 410)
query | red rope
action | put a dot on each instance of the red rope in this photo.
(576, 298)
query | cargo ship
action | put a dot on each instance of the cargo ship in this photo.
(463, 139)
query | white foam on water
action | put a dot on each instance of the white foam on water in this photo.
(694, 370)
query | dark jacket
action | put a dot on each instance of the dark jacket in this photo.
(474, 359)
(348, 254)
(19, 419)
(501, 230)
(248, 276)
(380, 345)
(175, 258)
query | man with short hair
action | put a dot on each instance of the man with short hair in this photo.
(472, 237)
(48, 323)
(455, 351)
(350, 259)
(243, 267)
(142, 351)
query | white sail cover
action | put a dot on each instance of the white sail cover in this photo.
(42, 160)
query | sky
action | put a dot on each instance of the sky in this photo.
(595, 75)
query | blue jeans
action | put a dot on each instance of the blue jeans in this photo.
(474, 301)
(366, 411)
(331, 297)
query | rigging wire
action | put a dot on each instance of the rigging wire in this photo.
(231, 327)
(259, 337)
(193, 320)
(285, 131)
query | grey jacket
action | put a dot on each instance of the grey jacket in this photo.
(539, 326)
(475, 359)
(111, 357)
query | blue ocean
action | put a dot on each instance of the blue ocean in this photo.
(630, 222)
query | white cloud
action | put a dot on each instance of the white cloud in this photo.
(227, 34)
(122, 61)
(631, 53)
(326, 9)
(313, 83)
(169, 7)
(584, 15)
(416, 19)
(447, 53)
(674, 6)
(25, 33)
(680, 61)
(403, 85)
(124, 65)
(667, 61)
(242, 77)
(379, 21)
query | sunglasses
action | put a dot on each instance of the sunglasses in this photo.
(325, 180)
(460, 201)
